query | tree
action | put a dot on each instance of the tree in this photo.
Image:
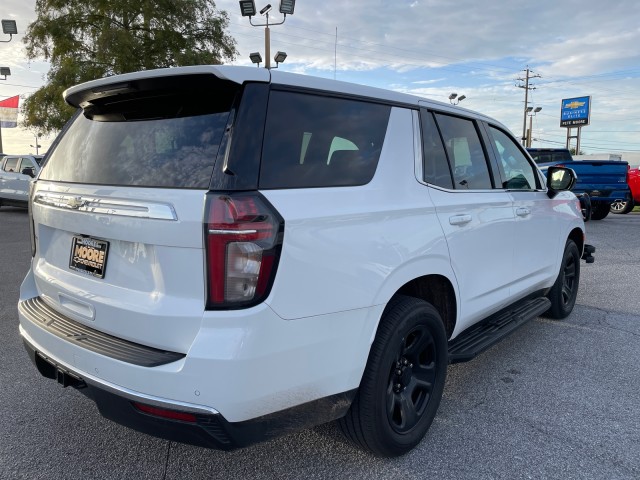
(572, 151)
(88, 39)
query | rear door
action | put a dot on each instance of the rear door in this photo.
(118, 209)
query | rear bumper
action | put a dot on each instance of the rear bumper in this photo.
(205, 427)
(605, 195)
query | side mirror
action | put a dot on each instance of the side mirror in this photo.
(560, 179)
(28, 171)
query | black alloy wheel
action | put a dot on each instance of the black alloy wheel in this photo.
(403, 380)
(411, 380)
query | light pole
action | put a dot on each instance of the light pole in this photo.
(248, 9)
(455, 100)
(531, 112)
(36, 146)
(5, 71)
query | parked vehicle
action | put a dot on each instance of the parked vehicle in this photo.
(239, 253)
(634, 184)
(605, 181)
(16, 172)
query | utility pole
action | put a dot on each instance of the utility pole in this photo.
(527, 86)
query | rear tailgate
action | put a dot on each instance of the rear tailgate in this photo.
(152, 291)
(118, 207)
(602, 179)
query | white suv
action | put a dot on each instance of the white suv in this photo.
(224, 254)
(16, 172)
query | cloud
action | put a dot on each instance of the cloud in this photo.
(435, 47)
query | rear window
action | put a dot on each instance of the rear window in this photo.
(548, 157)
(166, 138)
(317, 141)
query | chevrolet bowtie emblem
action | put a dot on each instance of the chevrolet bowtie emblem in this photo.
(574, 105)
(75, 202)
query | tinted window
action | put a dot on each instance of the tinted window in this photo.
(550, 156)
(436, 166)
(517, 171)
(316, 141)
(155, 139)
(26, 163)
(11, 165)
(465, 152)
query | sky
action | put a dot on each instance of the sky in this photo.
(433, 48)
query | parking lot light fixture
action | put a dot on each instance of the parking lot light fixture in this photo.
(454, 99)
(5, 72)
(531, 112)
(256, 58)
(10, 28)
(287, 6)
(247, 8)
(280, 57)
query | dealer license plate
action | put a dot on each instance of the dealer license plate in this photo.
(89, 255)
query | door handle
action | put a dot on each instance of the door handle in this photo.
(522, 211)
(459, 219)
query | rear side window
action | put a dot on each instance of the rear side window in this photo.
(11, 165)
(316, 141)
(465, 152)
(436, 166)
(167, 138)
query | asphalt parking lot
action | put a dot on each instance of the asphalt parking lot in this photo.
(553, 400)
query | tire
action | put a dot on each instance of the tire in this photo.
(403, 381)
(599, 211)
(621, 207)
(585, 206)
(564, 292)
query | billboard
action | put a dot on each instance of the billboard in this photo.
(575, 112)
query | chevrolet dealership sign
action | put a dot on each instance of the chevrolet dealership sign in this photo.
(575, 112)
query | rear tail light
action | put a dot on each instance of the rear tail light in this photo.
(243, 235)
(32, 228)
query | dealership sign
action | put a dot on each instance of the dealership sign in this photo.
(575, 112)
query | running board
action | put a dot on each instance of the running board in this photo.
(480, 337)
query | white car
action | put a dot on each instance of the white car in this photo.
(224, 254)
(16, 172)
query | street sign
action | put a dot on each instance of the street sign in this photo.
(575, 112)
